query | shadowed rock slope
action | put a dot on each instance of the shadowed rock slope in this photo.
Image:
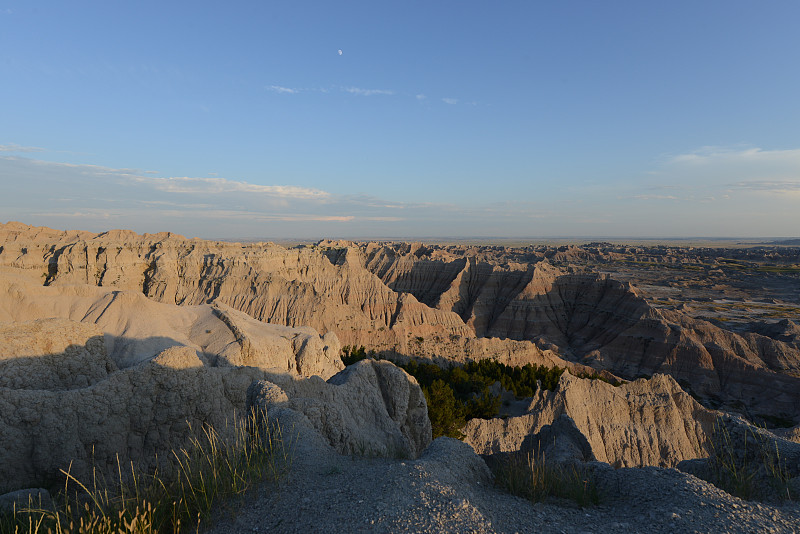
(595, 320)
(51, 420)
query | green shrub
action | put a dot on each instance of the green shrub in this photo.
(444, 410)
(483, 406)
(468, 394)
(351, 355)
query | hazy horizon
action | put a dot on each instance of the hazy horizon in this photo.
(718, 241)
(364, 119)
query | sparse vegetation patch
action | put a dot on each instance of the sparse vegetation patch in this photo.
(456, 394)
(214, 466)
(747, 464)
(533, 478)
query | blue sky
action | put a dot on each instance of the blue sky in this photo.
(508, 119)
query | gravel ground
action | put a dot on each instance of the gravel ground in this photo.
(447, 490)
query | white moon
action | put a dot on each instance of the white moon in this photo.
(340, 51)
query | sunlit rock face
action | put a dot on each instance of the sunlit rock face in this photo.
(645, 422)
(132, 329)
(295, 287)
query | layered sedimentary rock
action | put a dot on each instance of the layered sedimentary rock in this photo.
(413, 300)
(784, 330)
(136, 413)
(645, 422)
(717, 365)
(295, 287)
(135, 328)
(323, 287)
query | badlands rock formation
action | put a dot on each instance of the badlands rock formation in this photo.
(645, 422)
(92, 375)
(329, 291)
(412, 300)
(597, 321)
(291, 287)
(135, 413)
(785, 330)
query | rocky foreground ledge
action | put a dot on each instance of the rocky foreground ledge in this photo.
(449, 489)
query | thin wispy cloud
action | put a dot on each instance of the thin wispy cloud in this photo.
(717, 168)
(712, 154)
(256, 216)
(287, 217)
(366, 92)
(175, 204)
(360, 91)
(19, 148)
(282, 90)
(96, 198)
(784, 186)
(650, 197)
(81, 167)
(183, 184)
(662, 187)
(222, 185)
(89, 214)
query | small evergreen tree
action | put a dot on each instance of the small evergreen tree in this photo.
(444, 410)
(483, 406)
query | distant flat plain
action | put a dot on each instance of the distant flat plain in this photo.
(709, 242)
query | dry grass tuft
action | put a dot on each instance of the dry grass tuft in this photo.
(535, 479)
(177, 499)
(742, 465)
